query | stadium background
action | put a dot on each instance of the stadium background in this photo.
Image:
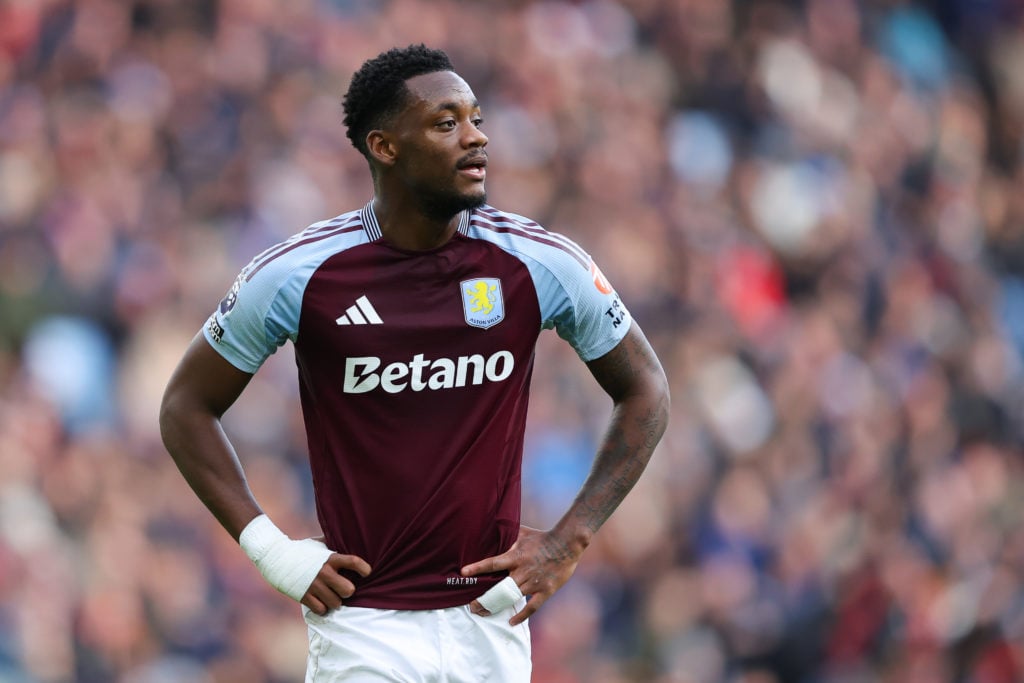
(815, 209)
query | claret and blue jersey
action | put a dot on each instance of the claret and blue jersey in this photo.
(414, 372)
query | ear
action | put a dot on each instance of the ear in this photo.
(381, 147)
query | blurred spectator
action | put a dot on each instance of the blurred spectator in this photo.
(814, 208)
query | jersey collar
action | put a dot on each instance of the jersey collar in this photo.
(372, 227)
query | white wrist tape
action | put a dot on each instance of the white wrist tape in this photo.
(501, 596)
(288, 565)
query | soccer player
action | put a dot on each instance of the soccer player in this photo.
(414, 320)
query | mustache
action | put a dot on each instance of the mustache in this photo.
(472, 159)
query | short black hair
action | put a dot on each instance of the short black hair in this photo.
(378, 88)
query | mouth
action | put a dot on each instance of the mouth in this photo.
(474, 167)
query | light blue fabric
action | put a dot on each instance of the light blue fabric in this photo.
(262, 309)
(265, 309)
(591, 321)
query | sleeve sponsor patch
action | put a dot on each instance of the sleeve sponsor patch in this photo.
(617, 312)
(600, 281)
(214, 328)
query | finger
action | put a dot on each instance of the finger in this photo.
(532, 605)
(336, 583)
(488, 565)
(476, 608)
(314, 604)
(352, 562)
(326, 594)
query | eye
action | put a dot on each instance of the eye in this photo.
(447, 124)
(478, 121)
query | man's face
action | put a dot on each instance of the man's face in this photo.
(440, 147)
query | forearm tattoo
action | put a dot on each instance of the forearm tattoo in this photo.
(636, 427)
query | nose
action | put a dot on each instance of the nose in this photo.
(474, 137)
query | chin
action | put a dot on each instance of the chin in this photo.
(476, 199)
(446, 206)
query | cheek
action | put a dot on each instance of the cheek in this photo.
(429, 161)
(436, 170)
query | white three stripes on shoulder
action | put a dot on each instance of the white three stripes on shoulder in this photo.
(362, 313)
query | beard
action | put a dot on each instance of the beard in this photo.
(443, 204)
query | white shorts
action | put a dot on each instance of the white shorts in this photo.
(453, 645)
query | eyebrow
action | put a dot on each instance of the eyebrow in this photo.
(454, 106)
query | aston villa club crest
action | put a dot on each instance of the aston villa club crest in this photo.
(482, 302)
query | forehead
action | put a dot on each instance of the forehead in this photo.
(439, 90)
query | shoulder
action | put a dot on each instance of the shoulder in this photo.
(526, 238)
(306, 250)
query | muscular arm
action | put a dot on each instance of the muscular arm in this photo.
(202, 388)
(633, 377)
(541, 562)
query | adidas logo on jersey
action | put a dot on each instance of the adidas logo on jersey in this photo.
(361, 313)
(361, 373)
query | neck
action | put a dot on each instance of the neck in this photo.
(406, 226)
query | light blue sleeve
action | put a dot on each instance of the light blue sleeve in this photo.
(261, 310)
(579, 304)
(259, 313)
(574, 296)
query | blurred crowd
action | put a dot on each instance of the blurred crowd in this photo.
(815, 208)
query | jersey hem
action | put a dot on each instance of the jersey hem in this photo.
(404, 605)
(455, 599)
